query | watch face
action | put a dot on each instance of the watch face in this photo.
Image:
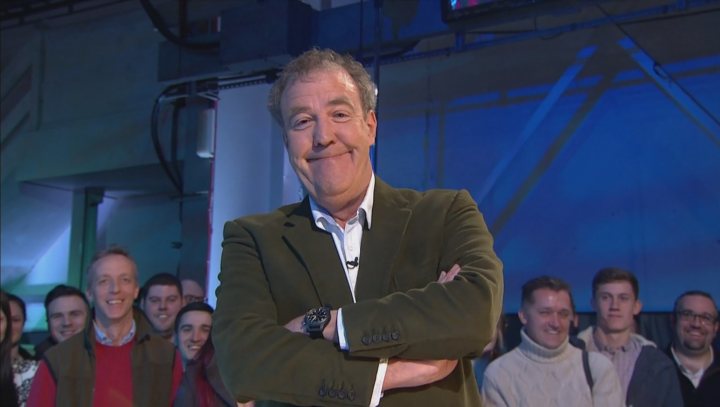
(317, 315)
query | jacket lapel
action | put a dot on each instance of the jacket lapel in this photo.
(380, 243)
(315, 249)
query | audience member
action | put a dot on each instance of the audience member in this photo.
(117, 360)
(647, 375)
(161, 299)
(24, 365)
(545, 370)
(8, 392)
(192, 291)
(66, 311)
(372, 251)
(192, 329)
(695, 324)
(201, 385)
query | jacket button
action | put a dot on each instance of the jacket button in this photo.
(365, 340)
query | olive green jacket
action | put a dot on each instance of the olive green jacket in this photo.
(278, 265)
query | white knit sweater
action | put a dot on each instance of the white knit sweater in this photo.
(534, 376)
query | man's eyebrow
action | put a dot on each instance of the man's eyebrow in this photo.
(340, 100)
(298, 109)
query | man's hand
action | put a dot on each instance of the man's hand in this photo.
(329, 333)
(450, 275)
(403, 373)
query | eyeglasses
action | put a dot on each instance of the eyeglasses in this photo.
(192, 298)
(689, 316)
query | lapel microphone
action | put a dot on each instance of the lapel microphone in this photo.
(352, 264)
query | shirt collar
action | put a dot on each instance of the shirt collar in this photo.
(105, 340)
(687, 372)
(365, 210)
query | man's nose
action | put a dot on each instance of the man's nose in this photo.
(323, 132)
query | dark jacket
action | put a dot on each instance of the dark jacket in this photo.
(188, 394)
(44, 346)
(707, 394)
(654, 382)
(72, 365)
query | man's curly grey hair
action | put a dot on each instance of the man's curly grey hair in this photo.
(317, 59)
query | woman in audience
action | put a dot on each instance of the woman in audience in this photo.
(23, 364)
(201, 385)
(8, 393)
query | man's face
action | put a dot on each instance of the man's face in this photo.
(193, 332)
(696, 324)
(161, 305)
(616, 305)
(327, 135)
(66, 316)
(192, 292)
(17, 322)
(547, 319)
(113, 288)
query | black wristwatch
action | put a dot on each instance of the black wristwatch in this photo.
(316, 319)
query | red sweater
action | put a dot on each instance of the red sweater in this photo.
(113, 387)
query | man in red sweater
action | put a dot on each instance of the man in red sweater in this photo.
(116, 360)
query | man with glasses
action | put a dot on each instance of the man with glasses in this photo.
(695, 324)
(192, 291)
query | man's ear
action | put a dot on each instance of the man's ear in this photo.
(371, 121)
(522, 316)
(637, 307)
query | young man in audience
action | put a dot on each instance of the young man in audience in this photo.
(646, 374)
(117, 360)
(192, 291)
(192, 329)
(161, 300)
(545, 370)
(695, 324)
(66, 310)
(201, 384)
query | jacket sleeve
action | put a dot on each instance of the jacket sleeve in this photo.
(258, 358)
(437, 321)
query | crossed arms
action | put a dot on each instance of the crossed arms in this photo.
(433, 323)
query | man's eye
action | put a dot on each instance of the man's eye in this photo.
(300, 124)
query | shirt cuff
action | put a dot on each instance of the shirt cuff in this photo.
(379, 379)
(342, 341)
(382, 367)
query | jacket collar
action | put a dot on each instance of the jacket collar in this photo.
(143, 329)
(316, 250)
